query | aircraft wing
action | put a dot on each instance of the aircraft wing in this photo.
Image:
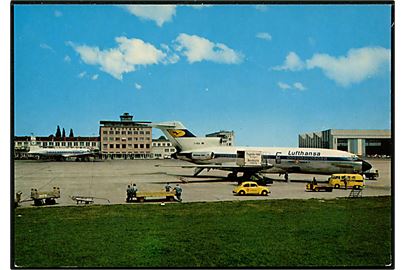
(225, 167)
(77, 155)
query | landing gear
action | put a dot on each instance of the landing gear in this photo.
(233, 175)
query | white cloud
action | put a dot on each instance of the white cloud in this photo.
(138, 86)
(299, 86)
(57, 13)
(125, 58)
(198, 49)
(67, 58)
(292, 62)
(283, 86)
(171, 57)
(261, 8)
(46, 47)
(94, 77)
(160, 14)
(358, 65)
(82, 74)
(264, 35)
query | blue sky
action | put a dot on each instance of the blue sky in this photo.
(267, 72)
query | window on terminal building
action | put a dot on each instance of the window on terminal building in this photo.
(135, 146)
(117, 138)
(147, 132)
(123, 132)
(129, 132)
(63, 144)
(129, 139)
(87, 143)
(117, 146)
(117, 132)
(57, 144)
(111, 132)
(141, 146)
(104, 131)
(93, 144)
(76, 144)
(105, 138)
(136, 132)
(105, 146)
(81, 143)
(141, 132)
(111, 145)
(129, 145)
(124, 146)
(147, 145)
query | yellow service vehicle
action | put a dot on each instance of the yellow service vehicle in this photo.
(251, 188)
(346, 180)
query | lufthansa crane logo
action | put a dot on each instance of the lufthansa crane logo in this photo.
(177, 132)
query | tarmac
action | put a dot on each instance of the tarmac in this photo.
(107, 180)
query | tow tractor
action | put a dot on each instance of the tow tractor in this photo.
(314, 186)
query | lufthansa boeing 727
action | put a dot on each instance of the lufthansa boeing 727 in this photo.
(208, 153)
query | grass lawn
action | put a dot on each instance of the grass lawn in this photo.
(271, 233)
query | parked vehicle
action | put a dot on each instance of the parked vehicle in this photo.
(342, 180)
(251, 188)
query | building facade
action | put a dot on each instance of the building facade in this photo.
(125, 139)
(162, 148)
(227, 137)
(360, 142)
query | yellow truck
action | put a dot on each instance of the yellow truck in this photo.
(346, 180)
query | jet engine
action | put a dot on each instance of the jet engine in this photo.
(202, 155)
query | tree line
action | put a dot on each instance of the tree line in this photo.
(62, 134)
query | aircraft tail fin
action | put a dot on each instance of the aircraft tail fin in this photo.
(182, 138)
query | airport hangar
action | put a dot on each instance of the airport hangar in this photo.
(364, 143)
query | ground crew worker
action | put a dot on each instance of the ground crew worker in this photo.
(314, 181)
(345, 181)
(178, 190)
(129, 193)
(168, 187)
(134, 190)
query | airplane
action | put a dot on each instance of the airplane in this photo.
(59, 153)
(208, 153)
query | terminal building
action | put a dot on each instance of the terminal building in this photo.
(125, 138)
(227, 137)
(162, 148)
(364, 143)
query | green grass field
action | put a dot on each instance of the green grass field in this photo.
(271, 233)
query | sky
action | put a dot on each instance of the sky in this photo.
(267, 72)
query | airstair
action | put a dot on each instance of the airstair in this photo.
(356, 193)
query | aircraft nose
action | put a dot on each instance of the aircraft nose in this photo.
(365, 166)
